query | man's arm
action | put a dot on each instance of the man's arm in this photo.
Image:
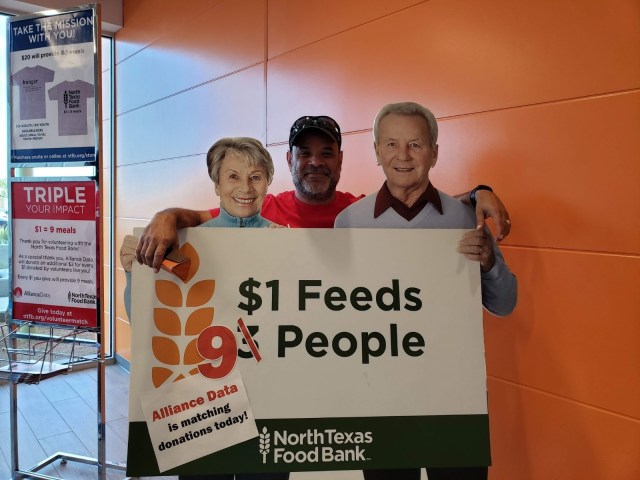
(488, 205)
(499, 284)
(161, 235)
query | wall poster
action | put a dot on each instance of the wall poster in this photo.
(53, 88)
(55, 275)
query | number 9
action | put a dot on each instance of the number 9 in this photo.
(226, 353)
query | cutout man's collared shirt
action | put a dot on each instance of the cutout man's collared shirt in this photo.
(384, 201)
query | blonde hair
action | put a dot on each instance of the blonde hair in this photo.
(248, 148)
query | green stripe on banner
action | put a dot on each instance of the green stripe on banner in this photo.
(335, 444)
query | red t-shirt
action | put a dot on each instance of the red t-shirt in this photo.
(285, 209)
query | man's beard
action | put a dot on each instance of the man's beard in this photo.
(302, 189)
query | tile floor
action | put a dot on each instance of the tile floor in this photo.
(60, 415)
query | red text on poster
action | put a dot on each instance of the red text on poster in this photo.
(55, 253)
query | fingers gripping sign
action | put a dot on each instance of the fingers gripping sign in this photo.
(477, 245)
(158, 238)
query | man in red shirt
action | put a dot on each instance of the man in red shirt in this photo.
(315, 162)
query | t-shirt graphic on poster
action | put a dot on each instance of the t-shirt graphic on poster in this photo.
(31, 81)
(72, 106)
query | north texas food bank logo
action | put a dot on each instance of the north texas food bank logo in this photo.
(314, 445)
(189, 343)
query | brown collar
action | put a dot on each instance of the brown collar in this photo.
(385, 200)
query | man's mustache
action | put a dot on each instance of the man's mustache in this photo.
(323, 170)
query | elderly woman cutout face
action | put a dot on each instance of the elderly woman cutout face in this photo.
(241, 185)
(241, 169)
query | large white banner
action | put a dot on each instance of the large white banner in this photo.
(358, 349)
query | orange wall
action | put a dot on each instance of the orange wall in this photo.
(541, 100)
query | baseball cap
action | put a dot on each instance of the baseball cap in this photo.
(322, 123)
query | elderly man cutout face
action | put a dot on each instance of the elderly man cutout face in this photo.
(404, 151)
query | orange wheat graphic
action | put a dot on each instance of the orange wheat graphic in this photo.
(178, 358)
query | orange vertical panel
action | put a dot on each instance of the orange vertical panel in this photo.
(360, 171)
(282, 177)
(196, 50)
(538, 436)
(293, 23)
(575, 331)
(145, 21)
(185, 178)
(459, 57)
(568, 172)
(189, 123)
